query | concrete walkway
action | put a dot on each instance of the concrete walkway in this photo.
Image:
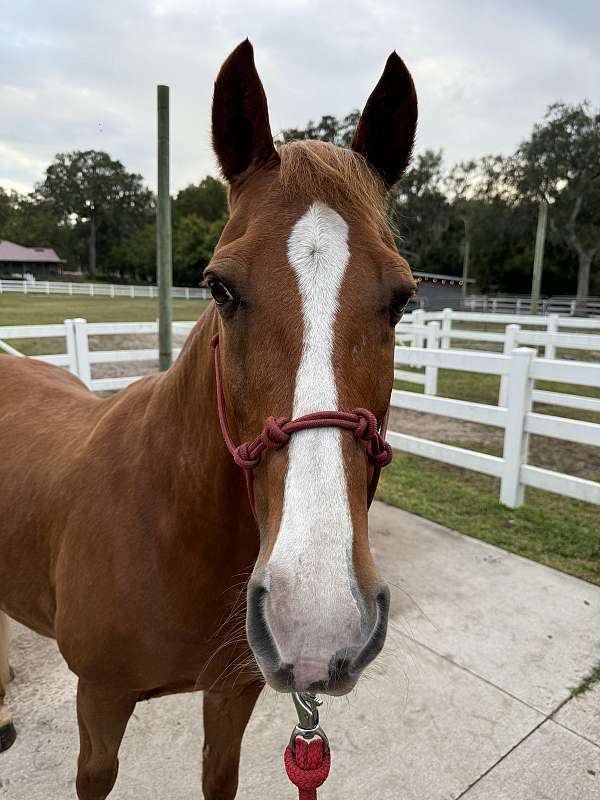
(469, 700)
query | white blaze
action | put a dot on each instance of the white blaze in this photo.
(312, 611)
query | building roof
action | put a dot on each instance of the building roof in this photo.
(9, 251)
(439, 277)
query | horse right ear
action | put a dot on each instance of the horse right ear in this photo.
(386, 130)
(241, 133)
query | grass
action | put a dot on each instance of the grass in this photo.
(554, 530)
(588, 682)
(16, 309)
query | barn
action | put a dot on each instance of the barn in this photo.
(17, 261)
(436, 292)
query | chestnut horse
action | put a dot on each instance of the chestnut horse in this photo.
(125, 529)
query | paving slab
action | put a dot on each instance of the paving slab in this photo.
(527, 628)
(551, 764)
(582, 714)
(419, 728)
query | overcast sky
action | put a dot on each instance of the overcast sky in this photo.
(81, 74)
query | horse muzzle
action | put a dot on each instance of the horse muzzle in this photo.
(327, 666)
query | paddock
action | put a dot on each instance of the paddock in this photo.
(471, 698)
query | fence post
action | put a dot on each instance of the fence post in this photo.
(82, 352)
(431, 372)
(551, 327)
(24, 287)
(511, 336)
(70, 288)
(71, 346)
(112, 290)
(446, 328)
(47, 287)
(132, 291)
(419, 319)
(516, 440)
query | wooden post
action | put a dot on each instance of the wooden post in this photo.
(551, 327)
(466, 260)
(431, 372)
(82, 352)
(516, 439)
(511, 342)
(164, 258)
(446, 328)
(538, 258)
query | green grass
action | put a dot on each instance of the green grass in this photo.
(588, 682)
(16, 309)
(554, 530)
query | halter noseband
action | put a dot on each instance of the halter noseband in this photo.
(277, 431)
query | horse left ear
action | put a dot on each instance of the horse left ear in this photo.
(241, 132)
(386, 131)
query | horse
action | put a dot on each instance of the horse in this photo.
(126, 531)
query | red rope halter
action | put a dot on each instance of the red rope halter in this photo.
(277, 431)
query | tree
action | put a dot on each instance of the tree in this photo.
(419, 211)
(329, 129)
(194, 240)
(207, 200)
(560, 163)
(90, 188)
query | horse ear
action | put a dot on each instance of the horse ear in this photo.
(241, 133)
(386, 131)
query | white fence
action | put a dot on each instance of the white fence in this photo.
(522, 305)
(98, 289)
(518, 371)
(435, 330)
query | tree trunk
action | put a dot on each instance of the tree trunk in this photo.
(92, 258)
(583, 277)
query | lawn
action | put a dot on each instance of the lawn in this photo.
(554, 530)
(17, 309)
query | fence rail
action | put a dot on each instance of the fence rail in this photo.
(517, 367)
(99, 289)
(522, 305)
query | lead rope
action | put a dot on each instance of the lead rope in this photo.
(307, 758)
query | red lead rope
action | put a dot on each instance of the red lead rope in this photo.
(277, 430)
(307, 765)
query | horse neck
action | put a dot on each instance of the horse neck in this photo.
(212, 513)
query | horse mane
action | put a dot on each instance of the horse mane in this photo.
(337, 176)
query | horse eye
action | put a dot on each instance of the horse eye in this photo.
(221, 294)
(400, 300)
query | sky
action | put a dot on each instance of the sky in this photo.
(82, 75)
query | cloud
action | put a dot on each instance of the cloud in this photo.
(78, 75)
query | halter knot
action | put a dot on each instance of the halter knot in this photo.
(380, 452)
(272, 436)
(366, 427)
(247, 455)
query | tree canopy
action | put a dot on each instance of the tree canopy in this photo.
(100, 217)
